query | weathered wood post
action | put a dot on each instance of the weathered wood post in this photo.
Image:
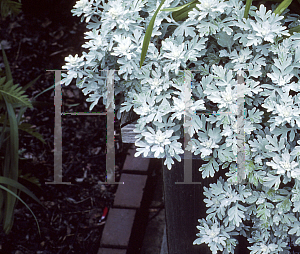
(184, 206)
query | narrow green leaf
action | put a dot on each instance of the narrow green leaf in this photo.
(292, 30)
(17, 185)
(175, 9)
(5, 138)
(13, 165)
(16, 105)
(185, 13)
(27, 127)
(247, 8)
(16, 196)
(6, 157)
(191, 6)
(46, 90)
(20, 114)
(274, 1)
(6, 64)
(1, 204)
(9, 7)
(71, 105)
(14, 140)
(2, 136)
(282, 6)
(295, 29)
(30, 83)
(148, 35)
(30, 178)
(2, 80)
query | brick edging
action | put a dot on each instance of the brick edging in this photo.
(120, 219)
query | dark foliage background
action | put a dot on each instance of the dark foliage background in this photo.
(39, 39)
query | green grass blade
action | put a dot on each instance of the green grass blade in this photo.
(20, 114)
(27, 128)
(6, 157)
(17, 185)
(282, 6)
(43, 105)
(185, 13)
(292, 30)
(247, 8)
(185, 9)
(148, 35)
(46, 90)
(175, 9)
(1, 204)
(6, 64)
(30, 83)
(2, 80)
(16, 196)
(14, 140)
(71, 105)
(36, 104)
(29, 178)
(9, 7)
(2, 135)
(274, 1)
(295, 29)
(13, 165)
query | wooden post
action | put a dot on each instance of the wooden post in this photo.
(184, 206)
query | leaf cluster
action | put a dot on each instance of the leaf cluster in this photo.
(12, 98)
(225, 73)
(10, 7)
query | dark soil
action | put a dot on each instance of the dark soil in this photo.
(38, 39)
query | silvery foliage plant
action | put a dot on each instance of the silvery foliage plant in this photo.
(222, 45)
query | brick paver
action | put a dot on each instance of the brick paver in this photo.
(138, 164)
(129, 194)
(117, 229)
(111, 251)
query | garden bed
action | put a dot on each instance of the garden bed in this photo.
(36, 41)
